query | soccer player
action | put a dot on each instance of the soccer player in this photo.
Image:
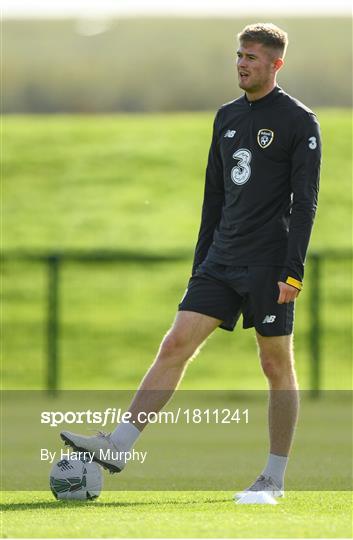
(259, 205)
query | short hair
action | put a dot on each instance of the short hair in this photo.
(268, 34)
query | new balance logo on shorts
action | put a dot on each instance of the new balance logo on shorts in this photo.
(269, 319)
(230, 133)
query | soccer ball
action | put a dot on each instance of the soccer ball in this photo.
(76, 479)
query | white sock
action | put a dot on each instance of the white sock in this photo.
(275, 468)
(124, 436)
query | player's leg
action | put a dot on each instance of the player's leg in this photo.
(182, 342)
(274, 333)
(188, 332)
(207, 303)
(277, 361)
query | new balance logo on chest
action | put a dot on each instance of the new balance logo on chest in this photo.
(230, 133)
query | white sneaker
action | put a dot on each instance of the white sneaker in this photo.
(101, 448)
(262, 483)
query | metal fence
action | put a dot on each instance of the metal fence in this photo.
(55, 260)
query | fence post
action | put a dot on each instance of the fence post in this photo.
(315, 324)
(53, 263)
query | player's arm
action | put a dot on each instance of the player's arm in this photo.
(213, 199)
(305, 174)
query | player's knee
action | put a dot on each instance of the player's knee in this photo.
(175, 349)
(276, 366)
(270, 368)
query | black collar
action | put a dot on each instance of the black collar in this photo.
(265, 100)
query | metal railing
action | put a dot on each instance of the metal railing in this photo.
(55, 260)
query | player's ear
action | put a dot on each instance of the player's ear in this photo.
(278, 63)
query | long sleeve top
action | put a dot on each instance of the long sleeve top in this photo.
(262, 182)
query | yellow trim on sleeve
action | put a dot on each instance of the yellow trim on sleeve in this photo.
(294, 282)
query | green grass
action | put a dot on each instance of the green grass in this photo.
(181, 456)
(136, 182)
(175, 515)
(240, 450)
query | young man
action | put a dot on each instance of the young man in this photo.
(259, 205)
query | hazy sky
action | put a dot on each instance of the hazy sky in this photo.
(86, 8)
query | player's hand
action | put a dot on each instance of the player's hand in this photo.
(287, 293)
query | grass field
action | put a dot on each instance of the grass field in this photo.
(177, 515)
(135, 182)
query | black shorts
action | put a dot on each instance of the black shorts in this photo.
(225, 292)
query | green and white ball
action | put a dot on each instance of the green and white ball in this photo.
(76, 479)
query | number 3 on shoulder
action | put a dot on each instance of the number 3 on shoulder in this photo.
(312, 143)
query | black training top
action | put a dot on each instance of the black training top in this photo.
(262, 182)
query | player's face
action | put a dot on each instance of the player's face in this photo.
(256, 68)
